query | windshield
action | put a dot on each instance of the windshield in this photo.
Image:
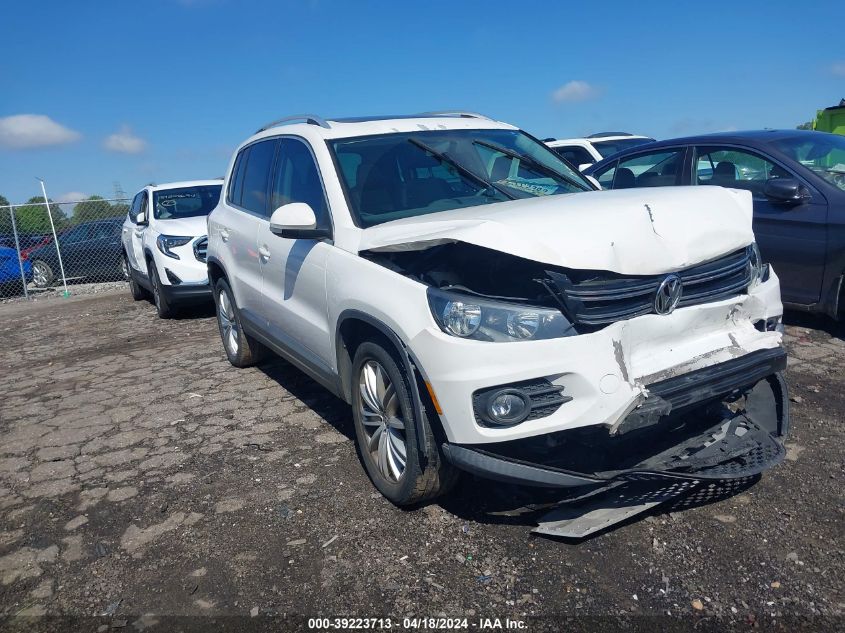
(609, 148)
(185, 202)
(823, 153)
(401, 175)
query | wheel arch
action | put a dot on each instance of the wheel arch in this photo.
(353, 328)
(216, 271)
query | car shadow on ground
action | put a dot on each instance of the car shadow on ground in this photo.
(316, 397)
(815, 322)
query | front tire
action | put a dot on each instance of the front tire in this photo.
(163, 307)
(386, 431)
(241, 349)
(42, 274)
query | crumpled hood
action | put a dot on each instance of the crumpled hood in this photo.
(632, 231)
(194, 226)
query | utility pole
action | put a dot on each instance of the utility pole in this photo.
(55, 237)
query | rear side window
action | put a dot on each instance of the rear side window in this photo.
(655, 169)
(297, 179)
(575, 154)
(136, 207)
(256, 177)
(236, 183)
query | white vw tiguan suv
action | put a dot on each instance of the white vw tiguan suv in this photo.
(164, 242)
(483, 308)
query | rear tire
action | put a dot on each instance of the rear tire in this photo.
(241, 349)
(134, 288)
(42, 274)
(386, 431)
(163, 307)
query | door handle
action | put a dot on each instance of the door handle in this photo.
(224, 235)
(264, 253)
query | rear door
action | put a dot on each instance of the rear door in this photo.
(139, 231)
(793, 238)
(105, 250)
(129, 229)
(233, 227)
(75, 246)
(294, 270)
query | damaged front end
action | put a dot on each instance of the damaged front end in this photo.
(629, 385)
(704, 431)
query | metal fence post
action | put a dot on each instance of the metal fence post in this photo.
(18, 249)
(55, 237)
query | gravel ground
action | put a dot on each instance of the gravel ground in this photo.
(57, 292)
(141, 476)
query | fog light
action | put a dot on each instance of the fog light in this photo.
(508, 407)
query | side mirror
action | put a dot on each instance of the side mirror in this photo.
(595, 182)
(785, 191)
(141, 218)
(296, 220)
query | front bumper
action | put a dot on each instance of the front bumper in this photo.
(726, 421)
(604, 375)
(184, 294)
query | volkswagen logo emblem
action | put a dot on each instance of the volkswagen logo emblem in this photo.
(668, 295)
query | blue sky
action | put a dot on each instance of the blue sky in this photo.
(164, 90)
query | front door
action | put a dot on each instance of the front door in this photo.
(294, 270)
(791, 237)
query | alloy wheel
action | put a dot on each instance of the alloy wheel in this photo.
(39, 275)
(228, 322)
(381, 415)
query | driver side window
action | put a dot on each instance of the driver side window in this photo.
(734, 168)
(297, 179)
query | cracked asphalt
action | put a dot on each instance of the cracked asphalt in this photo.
(143, 476)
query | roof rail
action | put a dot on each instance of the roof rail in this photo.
(311, 119)
(603, 134)
(456, 113)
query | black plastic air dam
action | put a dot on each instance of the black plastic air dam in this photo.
(736, 433)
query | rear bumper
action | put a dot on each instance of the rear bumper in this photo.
(726, 421)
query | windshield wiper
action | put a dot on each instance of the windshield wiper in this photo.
(444, 158)
(537, 165)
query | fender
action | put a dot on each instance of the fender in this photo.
(411, 366)
(214, 260)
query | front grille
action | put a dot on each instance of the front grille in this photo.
(602, 298)
(201, 249)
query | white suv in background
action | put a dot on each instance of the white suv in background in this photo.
(483, 308)
(584, 152)
(164, 242)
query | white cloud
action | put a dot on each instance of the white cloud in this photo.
(66, 200)
(575, 91)
(22, 131)
(124, 142)
(838, 69)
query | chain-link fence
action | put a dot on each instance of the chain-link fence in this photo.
(61, 247)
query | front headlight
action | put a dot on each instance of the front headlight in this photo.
(468, 316)
(756, 266)
(166, 242)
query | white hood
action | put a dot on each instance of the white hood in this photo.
(632, 231)
(194, 226)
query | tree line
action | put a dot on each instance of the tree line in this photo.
(32, 216)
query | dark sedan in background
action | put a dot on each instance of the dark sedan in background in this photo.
(90, 250)
(797, 180)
